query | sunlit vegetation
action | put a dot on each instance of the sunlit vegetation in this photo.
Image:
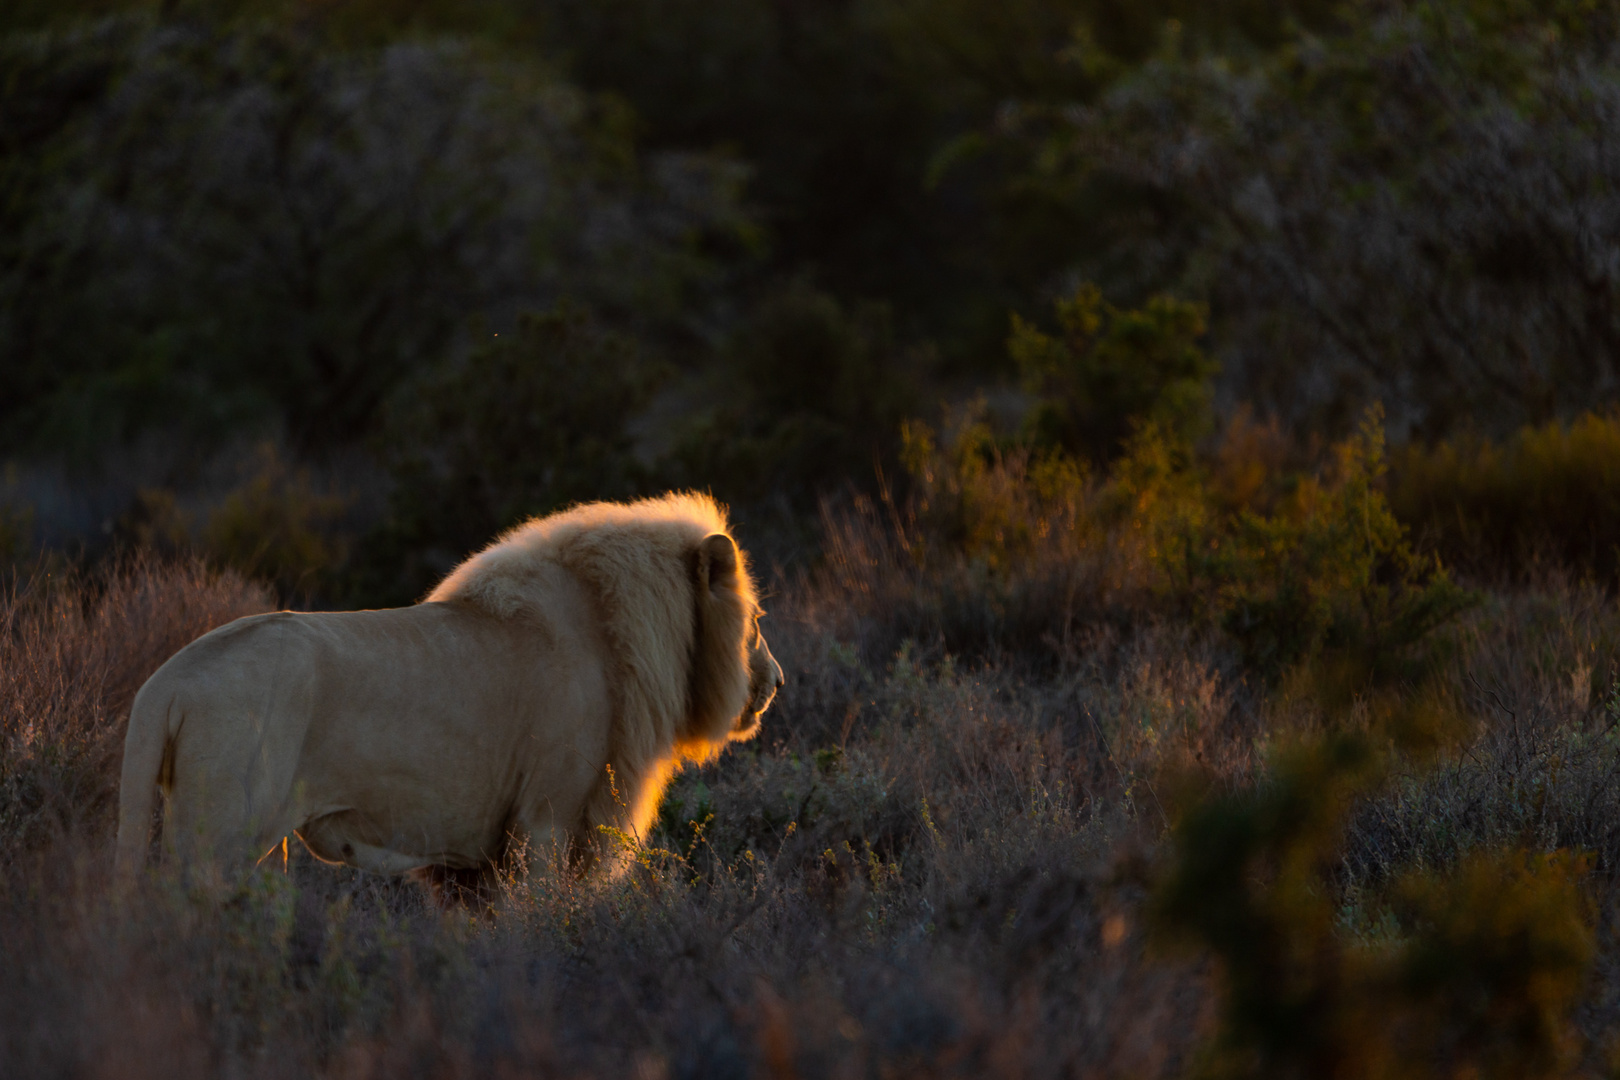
(1178, 439)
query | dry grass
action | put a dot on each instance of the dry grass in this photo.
(929, 866)
(73, 651)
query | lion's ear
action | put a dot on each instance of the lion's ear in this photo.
(717, 563)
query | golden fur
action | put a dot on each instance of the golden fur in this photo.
(547, 688)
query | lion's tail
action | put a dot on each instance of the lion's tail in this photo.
(147, 744)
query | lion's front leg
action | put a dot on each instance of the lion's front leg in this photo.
(533, 842)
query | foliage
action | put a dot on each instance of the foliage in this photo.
(866, 127)
(1480, 979)
(238, 219)
(806, 396)
(1330, 569)
(1295, 565)
(209, 225)
(529, 422)
(1311, 565)
(1113, 369)
(839, 110)
(991, 504)
(1413, 205)
(275, 528)
(1547, 496)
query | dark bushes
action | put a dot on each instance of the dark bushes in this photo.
(807, 395)
(531, 421)
(1112, 369)
(1409, 203)
(1545, 498)
(219, 223)
(1294, 564)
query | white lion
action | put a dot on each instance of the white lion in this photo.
(550, 686)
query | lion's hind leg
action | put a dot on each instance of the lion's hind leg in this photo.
(211, 819)
(335, 837)
(224, 805)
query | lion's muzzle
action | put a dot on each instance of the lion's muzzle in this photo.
(767, 679)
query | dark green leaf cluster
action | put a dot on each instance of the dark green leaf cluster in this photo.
(529, 422)
(206, 227)
(1112, 370)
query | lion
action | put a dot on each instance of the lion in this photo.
(540, 698)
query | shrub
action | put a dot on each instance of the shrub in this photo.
(1007, 544)
(1330, 569)
(1479, 978)
(1547, 496)
(528, 423)
(998, 553)
(275, 528)
(1292, 569)
(1112, 370)
(994, 505)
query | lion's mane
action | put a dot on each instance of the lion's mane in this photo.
(680, 650)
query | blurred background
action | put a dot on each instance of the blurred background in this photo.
(333, 290)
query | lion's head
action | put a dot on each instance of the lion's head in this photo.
(734, 675)
(764, 680)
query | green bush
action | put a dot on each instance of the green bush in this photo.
(275, 528)
(1294, 565)
(1330, 569)
(528, 423)
(1112, 370)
